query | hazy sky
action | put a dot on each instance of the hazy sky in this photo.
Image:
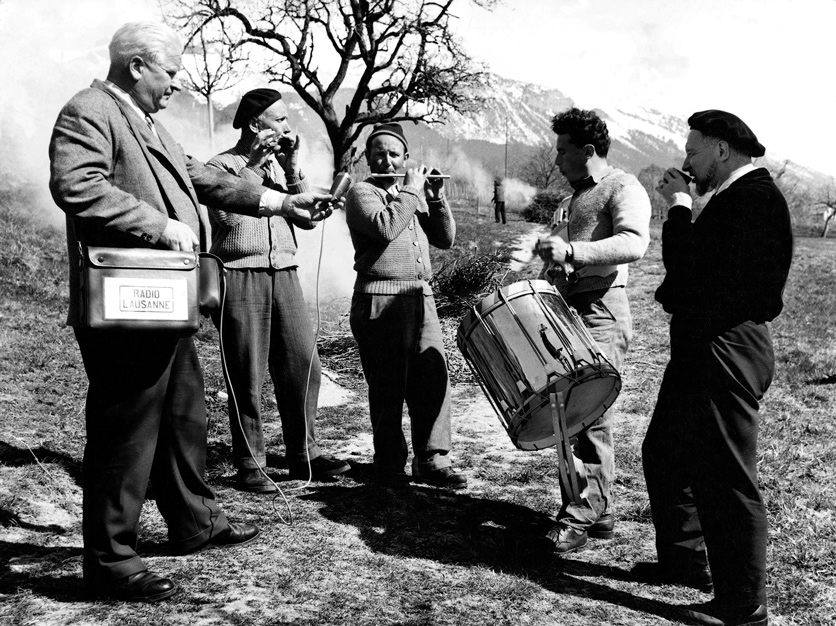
(768, 61)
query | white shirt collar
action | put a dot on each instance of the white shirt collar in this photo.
(124, 95)
(738, 173)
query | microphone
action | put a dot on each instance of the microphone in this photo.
(342, 181)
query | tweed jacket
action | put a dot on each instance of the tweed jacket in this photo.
(115, 195)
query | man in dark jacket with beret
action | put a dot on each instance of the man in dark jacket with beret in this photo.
(725, 277)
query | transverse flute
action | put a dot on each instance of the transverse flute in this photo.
(402, 175)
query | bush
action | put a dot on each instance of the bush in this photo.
(542, 207)
(465, 280)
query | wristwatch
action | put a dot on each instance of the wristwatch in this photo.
(570, 255)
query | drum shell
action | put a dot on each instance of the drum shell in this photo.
(524, 342)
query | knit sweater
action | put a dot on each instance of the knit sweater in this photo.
(251, 242)
(391, 236)
(729, 265)
(608, 225)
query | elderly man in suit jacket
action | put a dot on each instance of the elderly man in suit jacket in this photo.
(124, 182)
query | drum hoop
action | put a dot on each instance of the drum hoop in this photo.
(497, 409)
(542, 397)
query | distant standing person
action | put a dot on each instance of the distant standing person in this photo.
(606, 226)
(393, 315)
(725, 278)
(499, 200)
(265, 320)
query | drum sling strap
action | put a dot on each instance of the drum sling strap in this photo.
(566, 465)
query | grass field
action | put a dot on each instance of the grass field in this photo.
(359, 554)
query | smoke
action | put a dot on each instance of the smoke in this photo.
(53, 49)
(518, 194)
(50, 49)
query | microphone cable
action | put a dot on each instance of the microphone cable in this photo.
(338, 188)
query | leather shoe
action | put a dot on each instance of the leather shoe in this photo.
(566, 539)
(445, 477)
(695, 576)
(143, 586)
(713, 614)
(604, 528)
(235, 535)
(253, 481)
(322, 467)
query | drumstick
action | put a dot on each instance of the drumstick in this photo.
(402, 175)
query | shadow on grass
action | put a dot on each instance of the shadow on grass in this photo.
(824, 380)
(59, 588)
(12, 456)
(417, 521)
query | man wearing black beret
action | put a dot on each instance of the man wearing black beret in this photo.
(725, 275)
(265, 321)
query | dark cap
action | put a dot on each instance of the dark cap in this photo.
(729, 128)
(253, 104)
(388, 128)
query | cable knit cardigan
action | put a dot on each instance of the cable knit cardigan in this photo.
(244, 242)
(391, 236)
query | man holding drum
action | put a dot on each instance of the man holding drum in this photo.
(726, 273)
(607, 226)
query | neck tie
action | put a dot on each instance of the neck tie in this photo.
(150, 123)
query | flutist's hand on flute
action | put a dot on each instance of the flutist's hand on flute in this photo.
(416, 177)
(434, 185)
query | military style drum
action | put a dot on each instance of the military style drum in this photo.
(524, 343)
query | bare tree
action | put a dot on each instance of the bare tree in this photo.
(649, 177)
(210, 63)
(827, 201)
(539, 169)
(398, 58)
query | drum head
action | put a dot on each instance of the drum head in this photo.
(586, 400)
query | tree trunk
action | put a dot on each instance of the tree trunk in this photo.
(211, 123)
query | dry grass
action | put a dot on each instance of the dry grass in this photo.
(359, 554)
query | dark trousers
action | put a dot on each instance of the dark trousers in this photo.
(499, 212)
(700, 457)
(266, 328)
(145, 418)
(402, 352)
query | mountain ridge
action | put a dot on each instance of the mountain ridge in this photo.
(519, 114)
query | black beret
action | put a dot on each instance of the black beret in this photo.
(388, 128)
(253, 104)
(729, 128)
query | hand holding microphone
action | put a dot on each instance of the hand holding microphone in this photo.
(342, 181)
